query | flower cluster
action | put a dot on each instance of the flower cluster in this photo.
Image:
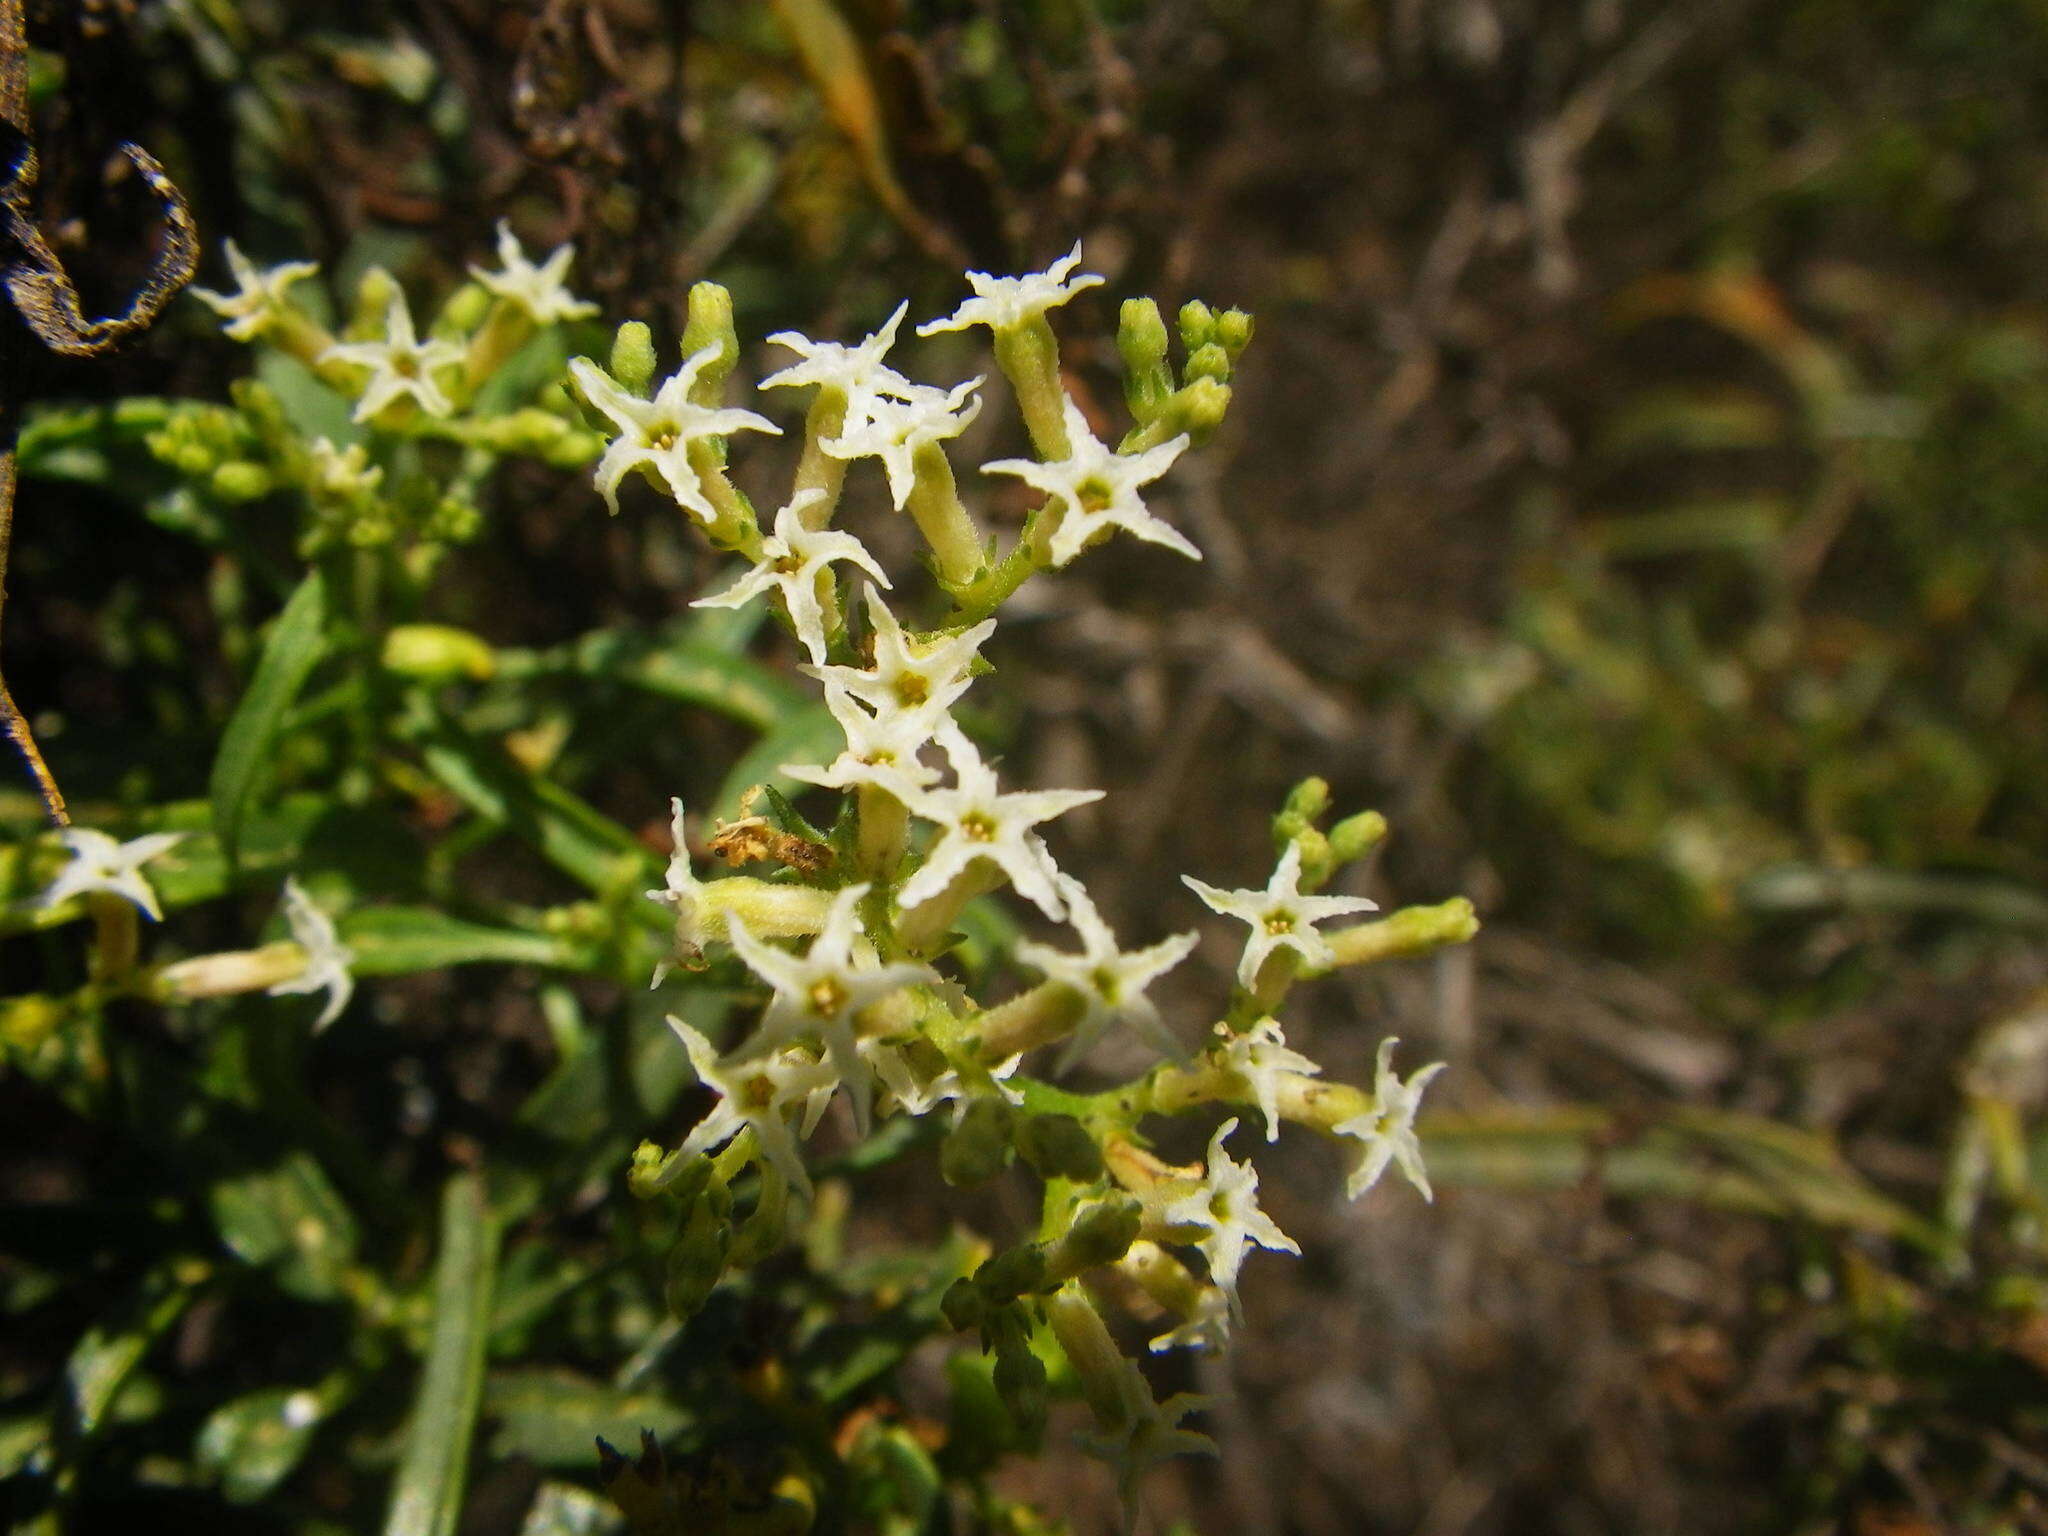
(842, 940)
(847, 945)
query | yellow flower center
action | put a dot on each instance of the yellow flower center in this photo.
(828, 997)
(978, 827)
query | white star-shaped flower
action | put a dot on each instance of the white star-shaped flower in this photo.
(758, 1093)
(895, 426)
(1110, 983)
(657, 433)
(819, 992)
(1227, 1207)
(400, 365)
(858, 372)
(1205, 1330)
(342, 473)
(680, 889)
(327, 958)
(916, 679)
(1281, 917)
(100, 863)
(1386, 1132)
(892, 1067)
(1097, 489)
(1003, 303)
(253, 309)
(977, 821)
(1144, 1433)
(542, 291)
(1261, 1057)
(881, 749)
(791, 558)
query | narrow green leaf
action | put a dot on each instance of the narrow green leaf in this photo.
(566, 830)
(401, 941)
(289, 654)
(426, 1497)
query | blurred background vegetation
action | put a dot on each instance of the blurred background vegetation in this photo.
(1635, 490)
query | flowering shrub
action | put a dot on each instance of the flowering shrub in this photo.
(827, 962)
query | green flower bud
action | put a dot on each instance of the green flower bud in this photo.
(1356, 836)
(437, 653)
(138, 411)
(963, 1305)
(1020, 1382)
(1059, 1147)
(1142, 340)
(1306, 803)
(632, 361)
(262, 412)
(464, 311)
(374, 293)
(189, 458)
(710, 325)
(697, 1262)
(1015, 1273)
(453, 521)
(978, 1148)
(655, 1172)
(1201, 407)
(1102, 1233)
(1233, 332)
(240, 480)
(1197, 325)
(1209, 362)
(527, 430)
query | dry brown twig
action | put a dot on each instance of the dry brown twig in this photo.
(46, 305)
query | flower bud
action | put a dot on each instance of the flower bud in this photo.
(1200, 407)
(528, 430)
(963, 1305)
(374, 293)
(1209, 362)
(238, 480)
(1059, 1147)
(1142, 340)
(437, 653)
(464, 311)
(1306, 804)
(1197, 325)
(1102, 1233)
(632, 362)
(1233, 332)
(710, 325)
(1021, 1383)
(1009, 1275)
(697, 1261)
(1356, 836)
(978, 1148)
